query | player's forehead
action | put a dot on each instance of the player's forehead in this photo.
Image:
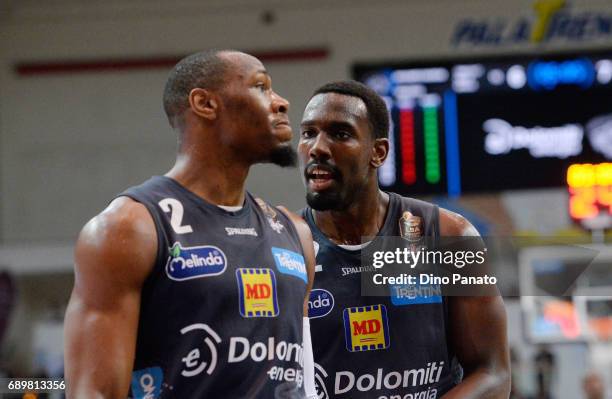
(242, 65)
(335, 107)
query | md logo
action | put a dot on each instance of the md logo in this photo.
(195, 262)
(257, 292)
(366, 328)
(320, 303)
(289, 262)
(146, 383)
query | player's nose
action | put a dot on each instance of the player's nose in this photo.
(320, 147)
(279, 103)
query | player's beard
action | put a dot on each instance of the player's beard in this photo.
(331, 200)
(324, 201)
(283, 156)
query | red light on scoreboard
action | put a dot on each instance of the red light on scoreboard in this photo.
(590, 189)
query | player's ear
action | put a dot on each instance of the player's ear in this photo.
(380, 151)
(203, 103)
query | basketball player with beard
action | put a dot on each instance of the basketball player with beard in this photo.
(384, 347)
(187, 286)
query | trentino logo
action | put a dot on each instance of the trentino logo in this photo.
(289, 262)
(366, 328)
(320, 303)
(195, 262)
(415, 294)
(257, 292)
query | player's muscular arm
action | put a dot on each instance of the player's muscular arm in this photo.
(477, 333)
(114, 254)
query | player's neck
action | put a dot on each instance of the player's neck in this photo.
(364, 218)
(210, 177)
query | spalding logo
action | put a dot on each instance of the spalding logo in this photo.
(195, 262)
(320, 303)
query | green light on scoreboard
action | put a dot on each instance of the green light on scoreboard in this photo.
(432, 145)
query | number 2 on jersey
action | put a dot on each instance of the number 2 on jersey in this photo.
(176, 215)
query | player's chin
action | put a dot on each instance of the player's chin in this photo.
(282, 132)
(323, 200)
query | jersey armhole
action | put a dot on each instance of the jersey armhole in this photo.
(161, 237)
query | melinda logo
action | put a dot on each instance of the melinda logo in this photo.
(195, 262)
(550, 20)
(289, 262)
(320, 304)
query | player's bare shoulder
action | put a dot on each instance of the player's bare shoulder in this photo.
(120, 242)
(300, 224)
(453, 224)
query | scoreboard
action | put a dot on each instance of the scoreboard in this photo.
(492, 124)
(590, 194)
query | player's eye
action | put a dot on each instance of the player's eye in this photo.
(308, 133)
(342, 135)
(261, 86)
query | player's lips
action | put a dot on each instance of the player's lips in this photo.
(320, 177)
(280, 122)
(282, 125)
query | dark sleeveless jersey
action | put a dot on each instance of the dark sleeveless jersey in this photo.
(221, 312)
(378, 347)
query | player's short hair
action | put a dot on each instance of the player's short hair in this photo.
(378, 115)
(204, 70)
